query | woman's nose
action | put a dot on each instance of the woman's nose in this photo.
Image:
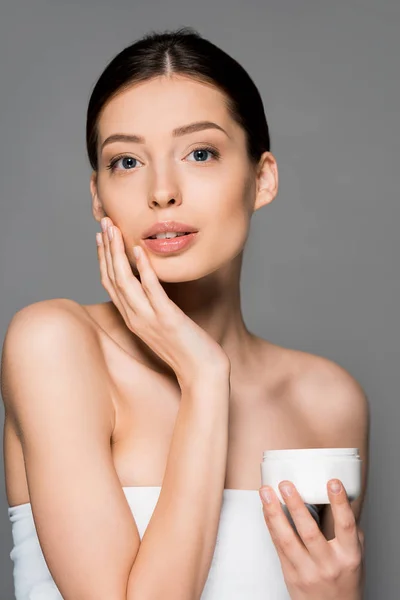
(165, 199)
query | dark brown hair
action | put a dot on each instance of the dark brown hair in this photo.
(183, 51)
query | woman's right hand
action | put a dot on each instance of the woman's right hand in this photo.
(149, 313)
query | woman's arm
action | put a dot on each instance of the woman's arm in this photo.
(177, 548)
(56, 393)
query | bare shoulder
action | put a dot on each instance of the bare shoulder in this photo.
(61, 308)
(50, 352)
(331, 400)
(314, 382)
(327, 390)
(47, 324)
(46, 317)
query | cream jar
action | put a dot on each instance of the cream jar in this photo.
(310, 469)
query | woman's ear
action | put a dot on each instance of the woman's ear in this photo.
(267, 180)
(97, 207)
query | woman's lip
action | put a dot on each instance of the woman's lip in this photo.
(168, 246)
(165, 226)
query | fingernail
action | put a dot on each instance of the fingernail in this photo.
(99, 240)
(136, 251)
(266, 495)
(110, 232)
(286, 489)
(103, 224)
(335, 487)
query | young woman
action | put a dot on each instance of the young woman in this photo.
(135, 428)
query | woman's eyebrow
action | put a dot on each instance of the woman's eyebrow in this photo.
(179, 131)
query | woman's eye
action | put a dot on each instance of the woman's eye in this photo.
(126, 160)
(200, 154)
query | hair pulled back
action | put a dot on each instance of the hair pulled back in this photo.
(183, 51)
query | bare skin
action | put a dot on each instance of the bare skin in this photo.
(280, 398)
(264, 413)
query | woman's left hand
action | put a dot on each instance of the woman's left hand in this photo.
(313, 567)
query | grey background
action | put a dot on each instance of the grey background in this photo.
(321, 267)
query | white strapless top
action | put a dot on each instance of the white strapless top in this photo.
(245, 564)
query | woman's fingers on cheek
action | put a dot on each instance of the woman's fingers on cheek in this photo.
(150, 282)
(107, 252)
(104, 278)
(148, 290)
(128, 288)
(109, 245)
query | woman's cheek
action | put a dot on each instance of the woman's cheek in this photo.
(230, 231)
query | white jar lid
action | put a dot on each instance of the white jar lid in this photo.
(310, 453)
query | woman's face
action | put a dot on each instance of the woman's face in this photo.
(171, 178)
